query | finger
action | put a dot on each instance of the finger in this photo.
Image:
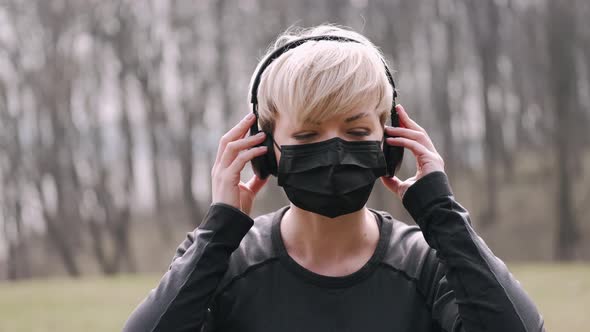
(394, 184)
(244, 157)
(411, 134)
(233, 148)
(417, 149)
(405, 120)
(255, 184)
(237, 132)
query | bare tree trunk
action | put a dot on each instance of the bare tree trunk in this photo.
(60, 242)
(13, 177)
(124, 44)
(156, 121)
(62, 220)
(441, 64)
(485, 20)
(560, 22)
(196, 87)
(222, 64)
(11, 253)
(186, 155)
(109, 222)
(153, 117)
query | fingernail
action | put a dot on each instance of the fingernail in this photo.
(260, 134)
(250, 116)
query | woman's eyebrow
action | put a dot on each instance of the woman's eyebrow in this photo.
(355, 117)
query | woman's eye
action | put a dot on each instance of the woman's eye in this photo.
(359, 133)
(304, 136)
(311, 135)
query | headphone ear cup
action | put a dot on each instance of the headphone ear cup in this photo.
(393, 154)
(266, 164)
(393, 157)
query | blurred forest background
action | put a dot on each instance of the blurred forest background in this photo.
(110, 114)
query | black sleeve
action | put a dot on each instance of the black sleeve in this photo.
(471, 289)
(181, 299)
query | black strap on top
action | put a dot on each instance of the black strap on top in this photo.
(290, 45)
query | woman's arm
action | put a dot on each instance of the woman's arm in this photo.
(181, 299)
(471, 289)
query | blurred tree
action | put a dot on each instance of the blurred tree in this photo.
(12, 196)
(485, 20)
(442, 40)
(562, 68)
(110, 112)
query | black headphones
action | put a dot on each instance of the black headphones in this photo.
(266, 164)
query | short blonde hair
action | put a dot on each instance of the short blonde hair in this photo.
(320, 79)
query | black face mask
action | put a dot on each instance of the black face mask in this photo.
(333, 177)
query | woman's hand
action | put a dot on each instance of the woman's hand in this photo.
(414, 138)
(234, 152)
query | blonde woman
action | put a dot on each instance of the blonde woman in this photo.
(326, 262)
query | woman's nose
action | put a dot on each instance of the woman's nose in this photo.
(329, 133)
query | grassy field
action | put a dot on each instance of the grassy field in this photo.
(561, 291)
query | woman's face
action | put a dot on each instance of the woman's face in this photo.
(357, 125)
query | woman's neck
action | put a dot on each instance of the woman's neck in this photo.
(318, 241)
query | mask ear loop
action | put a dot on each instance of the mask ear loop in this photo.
(275, 143)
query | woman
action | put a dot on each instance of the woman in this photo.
(327, 262)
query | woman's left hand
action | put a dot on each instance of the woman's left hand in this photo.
(414, 138)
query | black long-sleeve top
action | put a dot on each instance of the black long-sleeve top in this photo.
(233, 273)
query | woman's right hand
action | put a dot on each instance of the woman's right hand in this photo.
(234, 152)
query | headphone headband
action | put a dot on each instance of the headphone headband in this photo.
(290, 45)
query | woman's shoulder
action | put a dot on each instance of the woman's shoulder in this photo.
(407, 250)
(255, 250)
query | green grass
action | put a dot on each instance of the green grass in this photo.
(87, 305)
(562, 293)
